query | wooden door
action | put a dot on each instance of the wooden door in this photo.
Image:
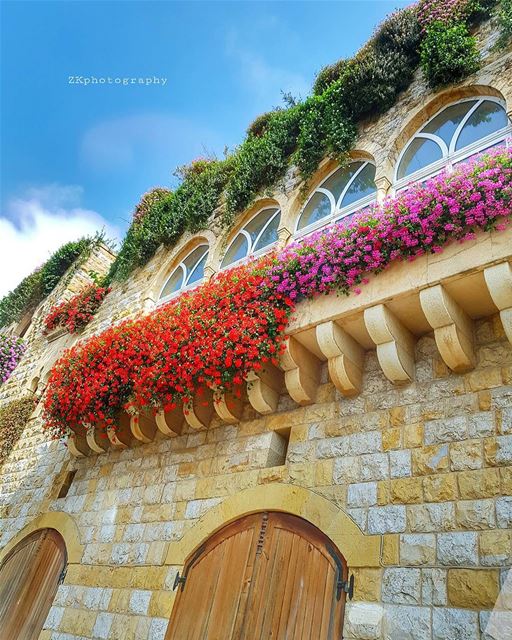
(29, 578)
(268, 575)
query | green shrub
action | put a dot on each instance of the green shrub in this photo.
(400, 32)
(35, 287)
(328, 75)
(260, 124)
(13, 418)
(505, 22)
(448, 54)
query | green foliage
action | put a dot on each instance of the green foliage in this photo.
(505, 22)
(448, 54)
(35, 287)
(261, 161)
(13, 418)
(328, 75)
(188, 208)
(260, 124)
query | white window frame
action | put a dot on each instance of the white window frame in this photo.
(337, 213)
(250, 243)
(450, 156)
(182, 266)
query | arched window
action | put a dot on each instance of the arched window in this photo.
(29, 577)
(257, 236)
(190, 271)
(344, 191)
(452, 135)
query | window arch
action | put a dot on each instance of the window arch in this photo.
(345, 190)
(29, 577)
(189, 272)
(453, 134)
(257, 235)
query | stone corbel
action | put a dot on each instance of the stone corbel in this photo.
(383, 185)
(453, 328)
(198, 413)
(143, 427)
(301, 371)
(395, 343)
(229, 406)
(284, 234)
(77, 445)
(344, 356)
(96, 442)
(499, 284)
(170, 423)
(120, 434)
(264, 388)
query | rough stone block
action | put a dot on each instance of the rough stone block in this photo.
(433, 587)
(367, 584)
(484, 483)
(495, 548)
(102, 626)
(430, 459)
(374, 466)
(457, 549)
(139, 601)
(390, 519)
(406, 491)
(440, 488)
(363, 621)
(504, 512)
(473, 588)
(445, 430)
(401, 586)
(363, 494)
(417, 549)
(475, 514)
(481, 425)
(390, 549)
(407, 623)
(400, 463)
(431, 517)
(466, 455)
(454, 624)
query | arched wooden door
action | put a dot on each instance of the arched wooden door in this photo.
(268, 575)
(29, 577)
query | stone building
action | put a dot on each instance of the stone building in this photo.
(381, 448)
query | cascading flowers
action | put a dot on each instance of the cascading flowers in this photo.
(12, 349)
(76, 313)
(216, 334)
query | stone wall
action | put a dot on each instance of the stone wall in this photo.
(424, 470)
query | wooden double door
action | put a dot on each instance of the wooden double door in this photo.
(268, 575)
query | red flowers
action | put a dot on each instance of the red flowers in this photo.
(210, 337)
(74, 314)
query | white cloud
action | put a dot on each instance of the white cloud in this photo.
(38, 223)
(265, 81)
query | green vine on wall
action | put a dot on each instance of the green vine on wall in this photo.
(14, 416)
(33, 289)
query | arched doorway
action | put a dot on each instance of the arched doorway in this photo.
(29, 577)
(266, 575)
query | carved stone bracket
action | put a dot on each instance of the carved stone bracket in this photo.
(120, 434)
(143, 427)
(395, 343)
(170, 423)
(96, 442)
(229, 406)
(302, 372)
(344, 356)
(499, 284)
(264, 388)
(77, 445)
(453, 328)
(199, 412)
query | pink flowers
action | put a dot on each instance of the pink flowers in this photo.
(445, 11)
(12, 349)
(421, 220)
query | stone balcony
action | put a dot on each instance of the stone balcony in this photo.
(441, 293)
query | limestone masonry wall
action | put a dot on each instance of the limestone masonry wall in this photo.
(423, 469)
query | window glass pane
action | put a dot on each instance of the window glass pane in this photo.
(488, 118)
(362, 186)
(192, 258)
(317, 208)
(269, 235)
(420, 153)
(238, 250)
(174, 283)
(447, 121)
(339, 180)
(258, 222)
(198, 271)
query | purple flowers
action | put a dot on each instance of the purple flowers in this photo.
(445, 11)
(451, 206)
(11, 350)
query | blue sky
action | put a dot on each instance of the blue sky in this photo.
(76, 156)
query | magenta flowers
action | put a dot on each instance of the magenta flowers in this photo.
(12, 349)
(451, 206)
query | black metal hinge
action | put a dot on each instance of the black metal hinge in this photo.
(62, 575)
(179, 580)
(346, 586)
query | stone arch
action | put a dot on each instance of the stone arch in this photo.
(225, 239)
(173, 257)
(359, 549)
(422, 113)
(63, 523)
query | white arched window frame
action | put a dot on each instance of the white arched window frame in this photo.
(337, 212)
(251, 244)
(451, 156)
(187, 271)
